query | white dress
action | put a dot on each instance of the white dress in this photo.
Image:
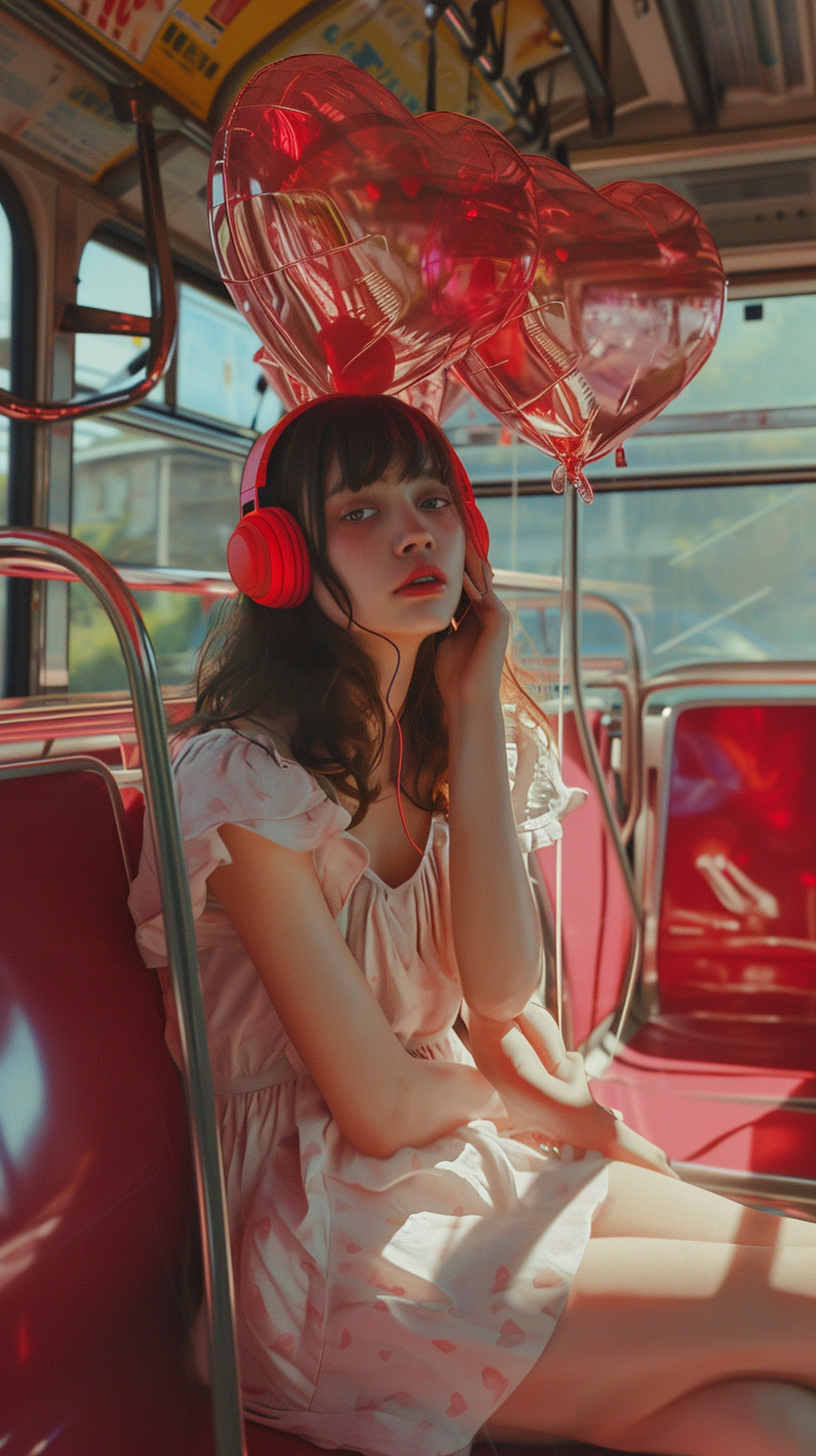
(386, 1305)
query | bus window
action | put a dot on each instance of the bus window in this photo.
(716, 573)
(751, 407)
(109, 278)
(721, 571)
(216, 375)
(158, 486)
(147, 499)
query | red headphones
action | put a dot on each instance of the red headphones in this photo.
(267, 555)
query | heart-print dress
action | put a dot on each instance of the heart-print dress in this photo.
(383, 1304)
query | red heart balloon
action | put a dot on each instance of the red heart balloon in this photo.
(366, 247)
(437, 395)
(624, 309)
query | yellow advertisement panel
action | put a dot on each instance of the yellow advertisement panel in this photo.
(201, 51)
(187, 50)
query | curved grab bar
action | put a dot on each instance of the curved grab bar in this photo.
(633, 632)
(588, 748)
(632, 686)
(162, 807)
(162, 294)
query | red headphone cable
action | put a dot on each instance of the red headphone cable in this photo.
(398, 727)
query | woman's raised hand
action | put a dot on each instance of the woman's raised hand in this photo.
(545, 1090)
(469, 662)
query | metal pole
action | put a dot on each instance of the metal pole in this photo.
(30, 547)
(593, 764)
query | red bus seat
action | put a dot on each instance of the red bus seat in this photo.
(95, 1179)
(737, 933)
(722, 1073)
(98, 1237)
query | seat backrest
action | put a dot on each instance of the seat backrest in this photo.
(737, 934)
(98, 1227)
(96, 1188)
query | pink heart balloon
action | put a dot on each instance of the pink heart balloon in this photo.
(624, 309)
(366, 247)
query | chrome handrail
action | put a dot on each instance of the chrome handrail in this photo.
(162, 294)
(796, 673)
(602, 1055)
(137, 578)
(598, 673)
(31, 546)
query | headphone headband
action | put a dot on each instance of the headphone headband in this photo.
(254, 474)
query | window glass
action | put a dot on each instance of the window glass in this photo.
(5, 383)
(110, 279)
(717, 574)
(152, 500)
(216, 372)
(215, 375)
(752, 406)
(145, 499)
(763, 358)
(176, 621)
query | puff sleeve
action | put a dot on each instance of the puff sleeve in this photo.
(539, 795)
(225, 777)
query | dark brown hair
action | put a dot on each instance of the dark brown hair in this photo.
(296, 671)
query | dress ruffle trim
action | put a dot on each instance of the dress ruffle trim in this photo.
(539, 795)
(225, 777)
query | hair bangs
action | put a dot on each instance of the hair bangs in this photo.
(359, 438)
(378, 436)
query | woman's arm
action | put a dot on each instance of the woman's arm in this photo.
(495, 926)
(382, 1098)
(545, 1090)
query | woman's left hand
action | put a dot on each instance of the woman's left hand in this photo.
(469, 662)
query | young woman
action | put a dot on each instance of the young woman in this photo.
(428, 1241)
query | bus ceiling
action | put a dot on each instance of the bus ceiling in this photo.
(716, 98)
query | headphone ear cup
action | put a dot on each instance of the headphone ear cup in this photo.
(268, 558)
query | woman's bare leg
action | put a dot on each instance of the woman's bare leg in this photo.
(751, 1417)
(679, 1293)
(644, 1204)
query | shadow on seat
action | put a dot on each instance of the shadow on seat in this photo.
(98, 1248)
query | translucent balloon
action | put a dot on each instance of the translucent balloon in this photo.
(368, 248)
(624, 309)
(437, 395)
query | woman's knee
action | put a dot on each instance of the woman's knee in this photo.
(787, 1413)
(731, 1418)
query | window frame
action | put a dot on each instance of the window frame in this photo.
(187, 426)
(22, 433)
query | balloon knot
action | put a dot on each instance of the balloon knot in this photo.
(561, 478)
